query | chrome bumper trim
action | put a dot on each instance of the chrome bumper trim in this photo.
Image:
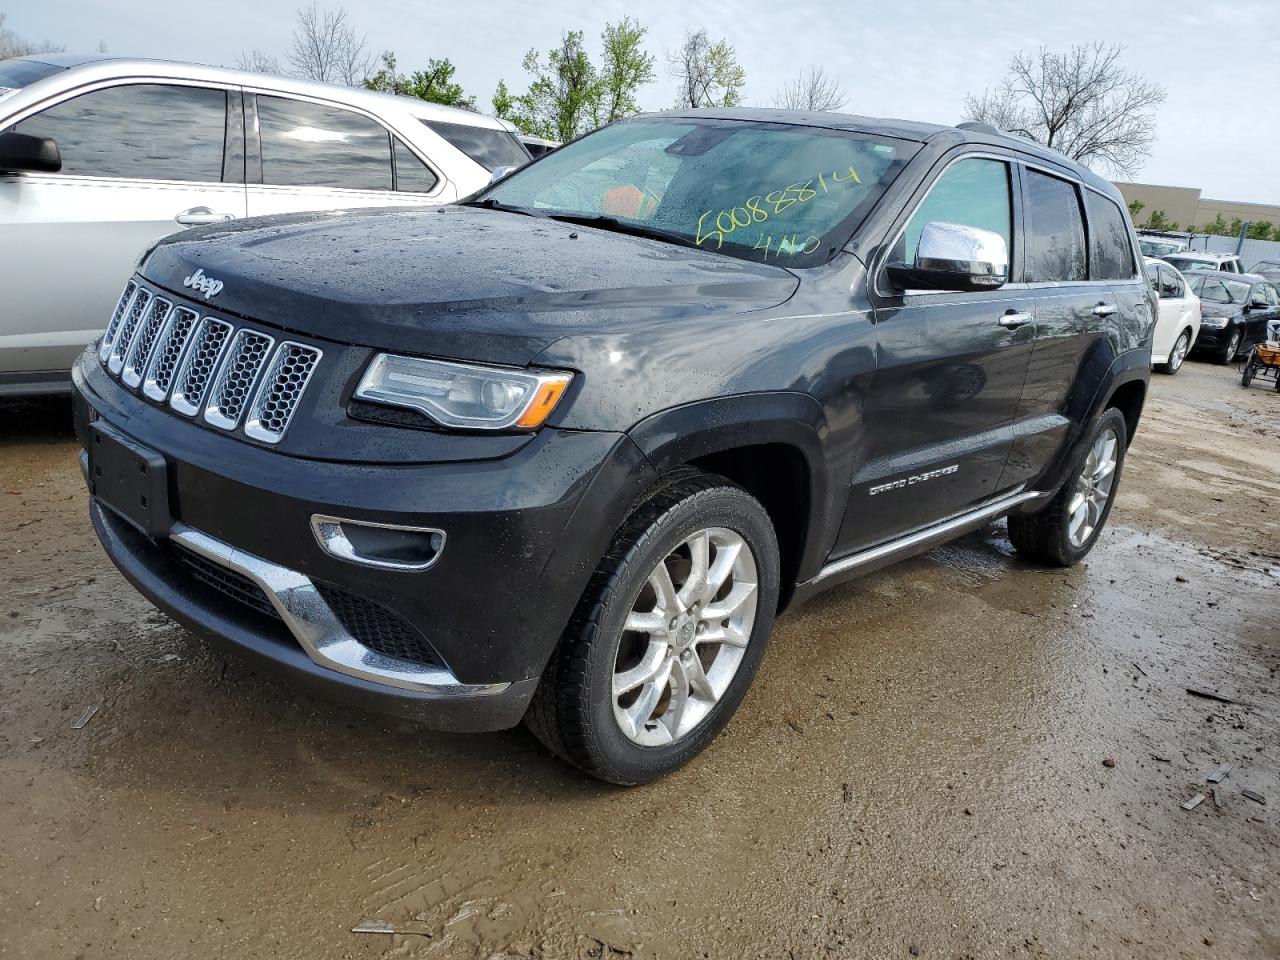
(319, 632)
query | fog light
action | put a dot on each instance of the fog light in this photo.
(387, 546)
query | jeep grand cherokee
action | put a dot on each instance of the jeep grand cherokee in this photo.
(563, 451)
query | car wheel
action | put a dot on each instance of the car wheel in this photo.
(1179, 353)
(1229, 351)
(667, 637)
(1246, 377)
(1062, 532)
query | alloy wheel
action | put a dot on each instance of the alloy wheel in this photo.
(685, 637)
(1093, 488)
(1179, 352)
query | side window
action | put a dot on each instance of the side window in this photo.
(1273, 295)
(1055, 230)
(313, 145)
(412, 175)
(1110, 252)
(973, 192)
(486, 146)
(1154, 278)
(1258, 296)
(1170, 284)
(145, 131)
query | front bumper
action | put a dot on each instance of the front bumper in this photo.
(525, 532)
(1212, 338)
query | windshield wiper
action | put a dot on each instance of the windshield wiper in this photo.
(605, 222)
(491, 204)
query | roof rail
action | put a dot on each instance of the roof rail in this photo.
(977, 126)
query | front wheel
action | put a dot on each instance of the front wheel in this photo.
(1229, 352)
(1179, 353)
(667, 636)
(1066, 529)
(1246, 377)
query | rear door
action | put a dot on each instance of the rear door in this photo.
(1071, 315)
(310, 155)
(950, 367)
(139, 161)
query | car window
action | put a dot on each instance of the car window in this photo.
(311, 144)
(1110, 251)
(412, 175)
(1153, 278)
(486, 146)
(1258, 296)
(1232, 265)
(974, 192)
(1055, 230)
(15, 74)
(1272, 294)
(1170, 284)
(145, 131)
(1220, 291)
(754, 190)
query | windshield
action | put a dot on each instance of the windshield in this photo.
(15, 74)
(760, 191)
(1220, 291)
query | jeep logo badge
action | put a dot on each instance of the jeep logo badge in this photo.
(207, 286)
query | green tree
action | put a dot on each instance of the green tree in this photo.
(1135, 208)
(435, 84)
(508, 107)
(563, 99)
(1218, 226)
(625, 67)
(1159, 221)
(1234, 229)
(1259, 230)
(708, 74)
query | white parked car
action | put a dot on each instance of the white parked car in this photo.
(1178, 319)
(101, 157)
(1204, 260)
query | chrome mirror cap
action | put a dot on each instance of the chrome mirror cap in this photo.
(954, 256)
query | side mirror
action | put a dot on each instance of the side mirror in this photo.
(499, 173)
(22, 153)
(952, 256)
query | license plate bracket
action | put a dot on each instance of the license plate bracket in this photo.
(130, 478)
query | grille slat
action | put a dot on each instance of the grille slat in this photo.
(144, 341)
(128, 327)
(168, 352)
(113, 327)
(377, 627)
(277, 398)
(234, 384)
(206, 367)
(197, 368)
(227, 582)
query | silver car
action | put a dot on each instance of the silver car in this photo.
(101, 157)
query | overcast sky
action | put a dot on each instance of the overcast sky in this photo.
(913, 59)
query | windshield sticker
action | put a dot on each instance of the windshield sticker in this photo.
(762, 207)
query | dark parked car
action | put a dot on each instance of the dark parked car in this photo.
(1268, 270)
(1235, 312)
(563, 452)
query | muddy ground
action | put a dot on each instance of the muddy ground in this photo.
(919, 770)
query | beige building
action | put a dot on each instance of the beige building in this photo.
(1185, 207)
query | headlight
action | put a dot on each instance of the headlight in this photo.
(1213, 323)
(463, 395)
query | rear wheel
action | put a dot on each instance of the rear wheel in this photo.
(1179, 353)
(667, 637)
(1246, 378)
(1067, 528)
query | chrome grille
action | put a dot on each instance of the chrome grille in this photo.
(206, 367)
(135, 361)
(281, 388)
(197, 369)
(168, 352)
(108, 338)
(128, 327)
(234, 383)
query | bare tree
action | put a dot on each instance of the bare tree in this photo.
(1082, 103)
(326, 48)
(12, 45)
(255, 61)
(816, 90)
(708, 73)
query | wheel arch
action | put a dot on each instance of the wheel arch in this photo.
(771, 444)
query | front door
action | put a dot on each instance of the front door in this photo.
(949, 374)
(139, 161)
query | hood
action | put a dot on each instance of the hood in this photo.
(458, 282)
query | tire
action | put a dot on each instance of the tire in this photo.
(1246, 378)
(1181, 347)
(1049, 535)
(575, 712)
(1228, 353)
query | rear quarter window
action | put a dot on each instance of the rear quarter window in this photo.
(486, 146)
(1110, 252)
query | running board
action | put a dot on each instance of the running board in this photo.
(865, 561)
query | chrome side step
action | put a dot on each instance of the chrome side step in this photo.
(917, 542)
(318, 631)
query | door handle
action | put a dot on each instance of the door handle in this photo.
(1104, 310)
(1013, 319)
(196, 216)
